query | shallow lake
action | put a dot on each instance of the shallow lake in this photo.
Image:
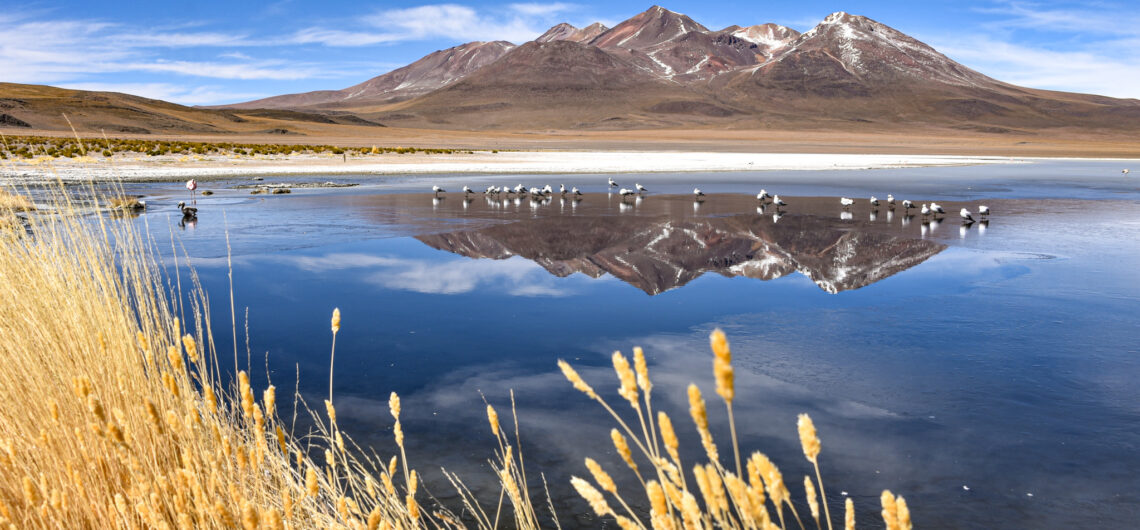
(987, 372)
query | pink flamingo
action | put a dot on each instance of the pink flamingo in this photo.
(192, 185)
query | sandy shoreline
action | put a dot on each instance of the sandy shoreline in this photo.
(160, 168)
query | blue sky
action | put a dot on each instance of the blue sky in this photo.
(209, 52)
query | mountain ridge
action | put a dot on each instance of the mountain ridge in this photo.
(848, 71)
(663, 70)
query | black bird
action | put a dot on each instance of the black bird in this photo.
(187, 212)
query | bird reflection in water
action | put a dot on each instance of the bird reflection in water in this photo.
(846, 216)
(656, 250)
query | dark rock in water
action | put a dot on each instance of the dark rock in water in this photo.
(257, 191)
(258, 178)
(8, 120)
(279, 191)
(207, 193)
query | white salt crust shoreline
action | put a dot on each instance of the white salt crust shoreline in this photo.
(177, 168)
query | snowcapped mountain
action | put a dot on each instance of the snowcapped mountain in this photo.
(663, 69)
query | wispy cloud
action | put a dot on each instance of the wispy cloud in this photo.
(454, 22)
(1100, 18)
(1074, 70)
(1053, 45)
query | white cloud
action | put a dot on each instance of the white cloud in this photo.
(1103, 19)
(244, 70)
(542, 9)
(1093, 71)
(518, 23)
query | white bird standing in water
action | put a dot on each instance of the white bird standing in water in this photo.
(925, 211)
(1125, 171)
(937, 208)
(983, 211)
(966, 217)
(437, 190)
(575, 191)
(874, 202)
(763, 195)
(846, 202)
(698, 193)
(890, 201)
(907, 205)
(562, 189)
(612, 183)
(547, 190)
(467, 190)
(778, 202)
(640, 188)
(625, 192)
(192, 185)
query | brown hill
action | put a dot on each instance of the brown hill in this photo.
(430, 73)
(43, 108)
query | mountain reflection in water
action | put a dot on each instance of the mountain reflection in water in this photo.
(659, 248)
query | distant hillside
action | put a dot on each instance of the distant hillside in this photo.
(44, 107)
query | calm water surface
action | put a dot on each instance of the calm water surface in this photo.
(987, 372)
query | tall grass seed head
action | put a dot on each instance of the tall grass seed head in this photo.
(576, 379)
(719, 344)
(725, 380)
(191, 347)
(628, 388)
(394, 405)
(812, 500)
(642, 368)
(809, 438)
(493, 419)
(623, 450)
(336, 320)
(594, 497)
(600, 476)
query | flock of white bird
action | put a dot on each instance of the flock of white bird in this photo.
(932, 210)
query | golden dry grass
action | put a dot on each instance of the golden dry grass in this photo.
(14, 202)
(716, 495)
(129, 204)
(117, 415)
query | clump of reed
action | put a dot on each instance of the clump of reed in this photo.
(12, 202)
(736, 495)
(118, 415)
(126, 204)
